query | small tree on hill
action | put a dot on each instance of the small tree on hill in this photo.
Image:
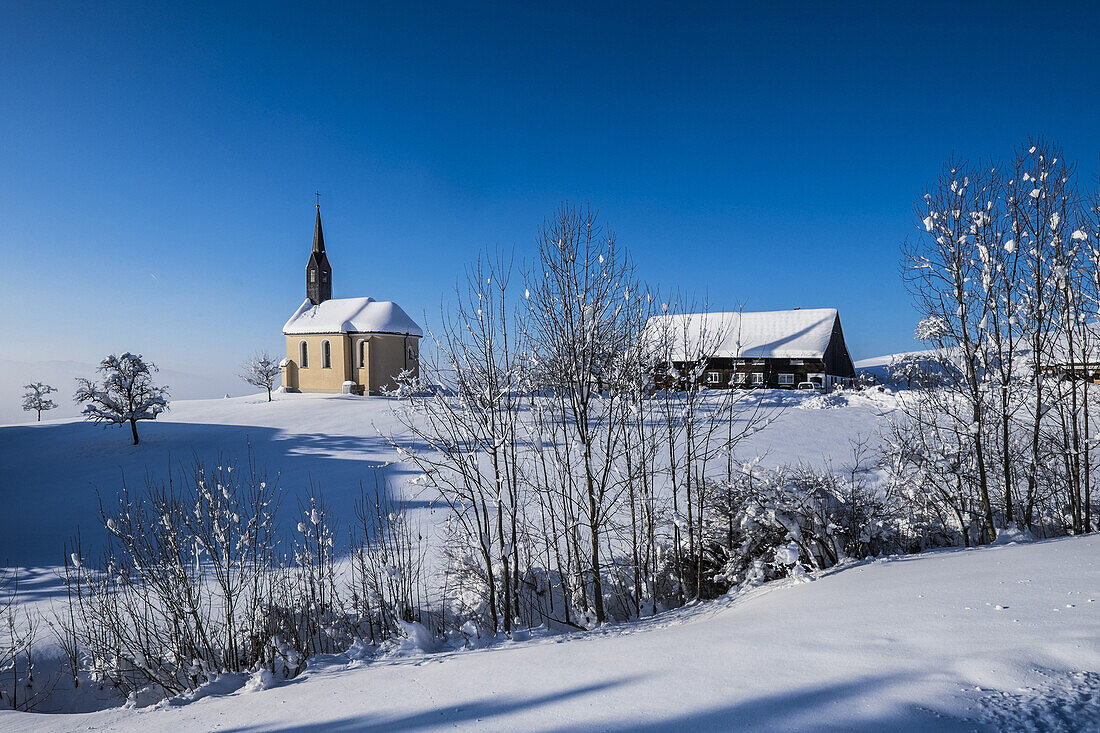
(261, 371)
(35, 398)
(126, 395)
(911, 369)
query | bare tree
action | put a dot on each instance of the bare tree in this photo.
(126, 395)
(1007, 279)
(950, 274)
(262, 370)
(467, 419)
(580, 287)
(1040, 199)
(36, 399)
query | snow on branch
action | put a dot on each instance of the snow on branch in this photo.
(126, 395)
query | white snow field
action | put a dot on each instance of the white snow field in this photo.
(50, 471)
(995, 639)
(999, 638)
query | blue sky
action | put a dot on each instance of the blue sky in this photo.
(159, 160)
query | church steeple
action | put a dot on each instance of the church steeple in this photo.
(318, 269)
(318, 235)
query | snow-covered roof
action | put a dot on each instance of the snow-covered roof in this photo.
(793, 334)
(351, 315)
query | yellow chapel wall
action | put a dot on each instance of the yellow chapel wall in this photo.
(386, 356)
(316, 378)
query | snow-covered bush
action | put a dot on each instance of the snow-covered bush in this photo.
(304, 613)
(387, 589)
(182, 591)
(19, 689)
(770, 524)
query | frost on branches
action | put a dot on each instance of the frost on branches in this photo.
(35, 398)
(1005, 272)
(126, 395)
(261, 371)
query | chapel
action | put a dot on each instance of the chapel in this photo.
(354, 345)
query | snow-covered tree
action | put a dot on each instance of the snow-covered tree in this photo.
(35, 398)
(126, 395)
(951, 272)
(912, 369)
(1005, 278)
(261, 371)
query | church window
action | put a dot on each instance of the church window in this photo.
(362, 354)
(303, 355)
(326, 355)
(313, 276)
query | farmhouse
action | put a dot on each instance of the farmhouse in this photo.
(776, 349)
(354, 345)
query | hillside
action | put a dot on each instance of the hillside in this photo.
(997, 638)
(993, 639)
(52, 471)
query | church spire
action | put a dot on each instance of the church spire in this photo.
(318, 235)
(318, 269)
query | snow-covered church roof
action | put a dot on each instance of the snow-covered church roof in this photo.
(792, 334)
(351, 315)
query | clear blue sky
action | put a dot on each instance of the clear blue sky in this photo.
(159, 159)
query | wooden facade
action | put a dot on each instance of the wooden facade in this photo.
(828, 364)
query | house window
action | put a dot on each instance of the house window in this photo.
(797, 362)
(362, 354)
(757, 378)
(739, 378)
(303, 355)
(738, 362)
(713, 377)
(786, 379)
(758, 361)
(326, 355)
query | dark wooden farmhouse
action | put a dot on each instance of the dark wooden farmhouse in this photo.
(773, 349)
(1068, 358)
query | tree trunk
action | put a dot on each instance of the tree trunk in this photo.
(133, 429)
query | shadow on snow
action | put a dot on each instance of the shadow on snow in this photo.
(49, 475)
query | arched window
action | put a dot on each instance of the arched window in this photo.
(303, 355)
(326, 355)
(362, 354)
